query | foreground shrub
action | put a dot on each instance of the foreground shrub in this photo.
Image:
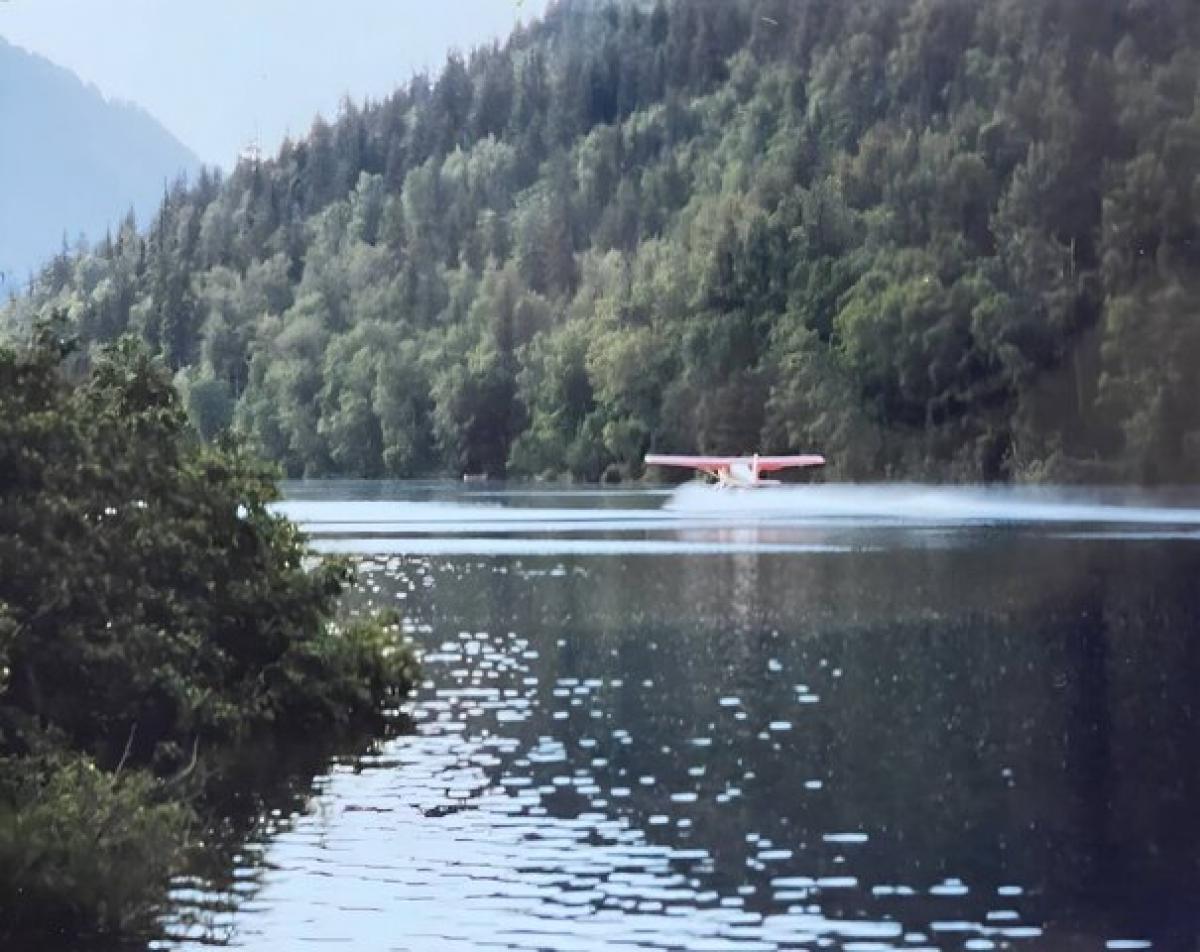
(151, 607)
(343, 678)
(150, 591)
(82, 849)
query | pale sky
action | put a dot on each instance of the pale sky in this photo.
(218, 73)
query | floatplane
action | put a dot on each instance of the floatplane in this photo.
(737, 472)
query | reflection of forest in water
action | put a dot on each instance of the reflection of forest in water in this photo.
(1017, 712)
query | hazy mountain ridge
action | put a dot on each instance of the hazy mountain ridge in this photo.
(73, 161)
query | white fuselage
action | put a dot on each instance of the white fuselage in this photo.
(742, 474)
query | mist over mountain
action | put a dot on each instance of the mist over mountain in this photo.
(937, 239)
(71, 161)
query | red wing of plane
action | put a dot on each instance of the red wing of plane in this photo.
(689, 462)
(766, 464)
(769, 464)
(737, 472)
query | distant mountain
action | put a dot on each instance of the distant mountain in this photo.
(71, 161)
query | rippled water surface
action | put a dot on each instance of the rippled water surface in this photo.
(815, 717)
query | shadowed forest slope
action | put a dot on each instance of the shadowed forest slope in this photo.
(930, 238)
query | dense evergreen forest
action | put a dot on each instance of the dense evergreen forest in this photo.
(930, 238)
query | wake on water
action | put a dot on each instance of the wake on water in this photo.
(697, 519)
(941, 505)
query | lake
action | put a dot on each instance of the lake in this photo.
(814, 717)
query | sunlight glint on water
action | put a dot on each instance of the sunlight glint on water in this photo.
(747, 726)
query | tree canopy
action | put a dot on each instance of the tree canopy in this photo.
(937, 238)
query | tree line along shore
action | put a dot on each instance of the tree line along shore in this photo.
(933, 239)
(937, 239)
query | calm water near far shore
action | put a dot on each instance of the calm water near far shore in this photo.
(852, 718)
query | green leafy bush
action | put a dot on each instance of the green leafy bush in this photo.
(151, 606)
(150, 589)
(84, 850)
(343, 678)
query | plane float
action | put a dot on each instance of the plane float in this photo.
(737, 472)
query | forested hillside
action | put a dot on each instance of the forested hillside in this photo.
(71, 161)
(929, 238)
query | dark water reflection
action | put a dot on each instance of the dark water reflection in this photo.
(956, 736)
